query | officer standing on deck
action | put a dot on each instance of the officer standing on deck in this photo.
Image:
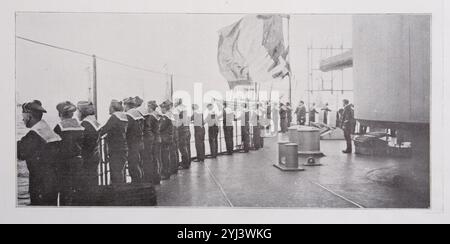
(135, 140)
(39, 148)
(212, 119)
(70, 165)
(228, 120)
(116, 131)
(151, 145)
(348, 125)
(199, 132)
(90, 147)
(165, 132)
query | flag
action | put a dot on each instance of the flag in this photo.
(253, 50)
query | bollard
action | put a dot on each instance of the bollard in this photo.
(291, 162)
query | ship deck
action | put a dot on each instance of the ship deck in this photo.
(344, 181)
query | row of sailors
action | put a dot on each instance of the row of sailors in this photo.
(64, 161)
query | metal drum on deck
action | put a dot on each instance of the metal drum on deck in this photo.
(308, 139)
(281, 151)
(293, 134)
(291, 155)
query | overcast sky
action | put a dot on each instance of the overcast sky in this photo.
(186, 44)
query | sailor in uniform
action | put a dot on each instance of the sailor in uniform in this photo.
(90, 147)
(301, 113)
(174, 153)
(212, 119)
(144, 113)
(39, 148)
(199, 132)
(152, 145)
(184, 135)
(283, 118)
(245, 127)
(116, 139)
(135, 140)
(166, 135)
(228, 120)
(256, 129)
(70, 165)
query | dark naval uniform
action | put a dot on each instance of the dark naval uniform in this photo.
(283, 119)
(326, 111)
(301, 115)
(151, 149)
(228, 119)
(348, 125)
(256, 130)
(312, 115)
(116, 139)
(166, 134)
(135, 140)
(70, 165)
(245, 130)
(213, 133)
(184, 141)
(289, 115)
(39, 148)
(174, 153)
(200, 133)
(90, 151)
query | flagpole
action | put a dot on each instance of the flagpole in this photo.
(289, 46)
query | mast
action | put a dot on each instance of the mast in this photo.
(94, 86)
(289, 46)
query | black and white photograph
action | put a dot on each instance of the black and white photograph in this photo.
(203, 110)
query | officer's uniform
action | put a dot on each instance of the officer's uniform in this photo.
(200, 133)
(213, 132)
(39, 148)
(348, 125)
(135, 140)
(70, 165)
(116, 130)
(166, 134)
(228, 119)
(184, 141)
(91, 151)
